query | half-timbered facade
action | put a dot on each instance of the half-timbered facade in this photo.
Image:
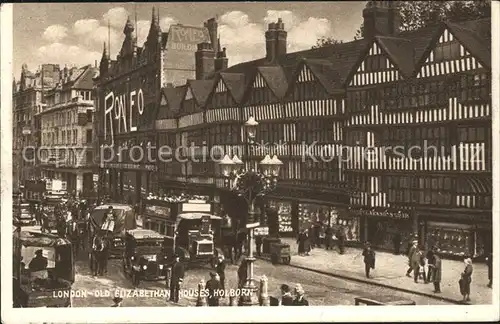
(384, 137)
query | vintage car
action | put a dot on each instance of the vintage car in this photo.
(192, 236)
(123, 219)
(42, 287)
(144, 257)
(23, 215)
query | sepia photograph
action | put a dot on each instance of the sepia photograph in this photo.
(202, 154)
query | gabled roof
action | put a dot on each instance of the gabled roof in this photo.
(275, 78)
(400, 51)
(325, 73)
(472, 41)
(235, 83)
(174, 98)
(201, 90)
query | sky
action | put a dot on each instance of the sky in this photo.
(73, 34)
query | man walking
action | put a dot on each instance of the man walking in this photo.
(436, 270)
(369, 259)
(328, 237)
(415, 263)
(411, 251)
(213, 286)
(221, 270)
(176, 279)
(430, 261)
(341, 238)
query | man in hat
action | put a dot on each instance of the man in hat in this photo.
(214, 288)
(176, 279)
(299, 297)
(368, 258)
(39, 262)
(117, 302)
(221, 268)
(413, 249)
(286, 296)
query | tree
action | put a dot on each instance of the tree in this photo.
(325, 41)
(419, 14)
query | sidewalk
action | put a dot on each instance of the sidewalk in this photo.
(390, 271)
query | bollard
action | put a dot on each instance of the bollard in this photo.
(233, 301)
(264, 296)
(201, 301)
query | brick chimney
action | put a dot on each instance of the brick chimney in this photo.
(280, 38)
(221, 60)
(204, 60)
(212, 26)
(381, 18)
(271, 42)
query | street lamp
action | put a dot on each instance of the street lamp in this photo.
(250, 184)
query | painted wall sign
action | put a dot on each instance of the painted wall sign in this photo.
(186, 38)
(122, 111)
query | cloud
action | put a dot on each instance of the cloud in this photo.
(117, 17)
(67, 54)
(55, 33)
(165, 23)
(305, 34)
(85, 26)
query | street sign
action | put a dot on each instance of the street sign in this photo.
(253, 225)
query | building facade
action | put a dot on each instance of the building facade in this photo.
(66, 131)
(27, 102)
(386, 135)
(129, 96)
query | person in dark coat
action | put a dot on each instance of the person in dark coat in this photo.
(368, 258)
(286, 296)
(242, 273)
(411, 251)
(416, 262)
(328, 237)
(214, 289)
(341, 239)
(221, 268)
(301, 241)
(299, 297)
(311, 235)
(430, 260)
(258, 244)
(466, 279)
(436, 272)
(489, 263)
(396, 241)
(422, 265)
(39, 262)
(176, 279)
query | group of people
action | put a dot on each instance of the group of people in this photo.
(310, 238)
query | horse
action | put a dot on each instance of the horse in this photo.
(98, 255)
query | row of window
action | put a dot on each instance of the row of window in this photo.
(60, 138)
(59, 119)
(67, 157)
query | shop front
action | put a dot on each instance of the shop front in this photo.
(382, 227)
(458, 235)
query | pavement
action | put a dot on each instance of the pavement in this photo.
(390, 272)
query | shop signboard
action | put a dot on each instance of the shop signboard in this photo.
(284, 209)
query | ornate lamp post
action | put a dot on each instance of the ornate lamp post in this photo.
(250, 184)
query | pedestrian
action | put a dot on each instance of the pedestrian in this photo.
(221, 268)
(286, 296)
(176, 278)
(430, 260)
(328, 237)
(341, 239)
(396, 241)
(311, 236)
(258, 244)
(411, 251)
(117, 302)
(415, 264)
(242, 273)
(299, 297)
(466, 279)
(301, 242)
(436, 272)
(368, 258)
(214, 289)
(307, 243)
(489, 263)
(423, 265)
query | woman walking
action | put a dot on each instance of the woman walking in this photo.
(466, 279)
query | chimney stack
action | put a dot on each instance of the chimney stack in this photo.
(275, 40)
(221, 62)
(212, 26)
(204, 60)
(381, 18)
